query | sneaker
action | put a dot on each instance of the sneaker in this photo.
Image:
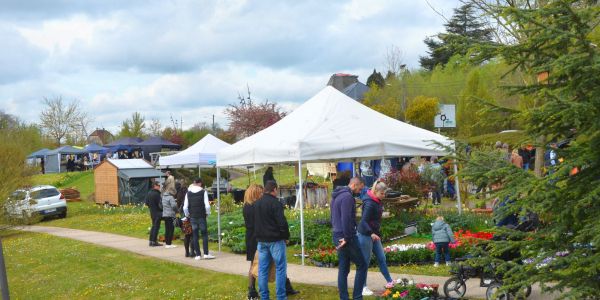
(367, 292)
(390, 284)
(197, 257)
(170, 246)
(208, 256)
(436, 265)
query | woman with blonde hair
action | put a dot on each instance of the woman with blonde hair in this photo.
(369, 232)
(252, 194)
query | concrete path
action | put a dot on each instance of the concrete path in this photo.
(237, 264)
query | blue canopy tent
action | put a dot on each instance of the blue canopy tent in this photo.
(95, 152)
(156, 144)
(125, 144)
(128, 141)
(53, 158)
(95, 148)
(39, 154)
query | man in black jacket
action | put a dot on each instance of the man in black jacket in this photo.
(154, 202)
(271, 231)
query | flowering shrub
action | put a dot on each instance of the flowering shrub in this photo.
(407, 182)
(407, 290)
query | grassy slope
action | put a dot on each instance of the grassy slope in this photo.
(82, 181)
(41, 266)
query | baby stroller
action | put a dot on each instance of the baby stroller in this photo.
(489, 278)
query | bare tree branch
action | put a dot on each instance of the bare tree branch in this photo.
(437, 12)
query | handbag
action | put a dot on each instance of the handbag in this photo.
(186, 226)
(255, 268)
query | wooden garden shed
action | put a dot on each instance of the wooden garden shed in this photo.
(123, 181)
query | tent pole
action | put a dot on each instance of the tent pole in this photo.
(219, 207)
(301, 192)
(456, 182)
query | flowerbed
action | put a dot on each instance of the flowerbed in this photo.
(407, 290)
(398, 254)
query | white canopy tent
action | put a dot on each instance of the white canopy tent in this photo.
(330, 126)
(203, 153)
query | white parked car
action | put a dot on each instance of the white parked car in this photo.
(43, 200)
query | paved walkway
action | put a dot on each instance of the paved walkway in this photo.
(237, 264)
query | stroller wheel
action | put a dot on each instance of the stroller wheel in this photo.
(455, 288)
(493, 292)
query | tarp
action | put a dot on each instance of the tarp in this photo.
(134, 179)
(128, 141)
(331, 126)
(39, 154)
(203, 154)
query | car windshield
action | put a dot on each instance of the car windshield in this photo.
(44, 193)
(18, 195)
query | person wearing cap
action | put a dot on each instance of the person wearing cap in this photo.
(154, 203)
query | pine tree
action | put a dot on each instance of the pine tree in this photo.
(563, 253)
(463, 31)
(376, 78)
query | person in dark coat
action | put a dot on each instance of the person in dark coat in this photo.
(271, 231)
(252, 194)
(154, 203)
(268, 176)
(343, 221)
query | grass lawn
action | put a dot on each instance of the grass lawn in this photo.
(41, 266)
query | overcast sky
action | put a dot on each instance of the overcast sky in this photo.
(189, 59)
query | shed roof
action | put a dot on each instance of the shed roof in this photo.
(139, 173)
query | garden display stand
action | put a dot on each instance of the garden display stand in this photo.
(404, 202)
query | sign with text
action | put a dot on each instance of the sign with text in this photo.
(446, 117)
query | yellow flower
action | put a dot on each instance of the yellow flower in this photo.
(395, 295)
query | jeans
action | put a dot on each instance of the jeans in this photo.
(155, 227)
(368, 247)
(526, 166)
(436, 195)
(199, 226)
(169, 229)
(439, 247)
(275, 251)
(351, 253)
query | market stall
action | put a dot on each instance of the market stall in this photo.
(332, 127)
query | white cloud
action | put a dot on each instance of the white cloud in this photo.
(190, 59)
(58, 36)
